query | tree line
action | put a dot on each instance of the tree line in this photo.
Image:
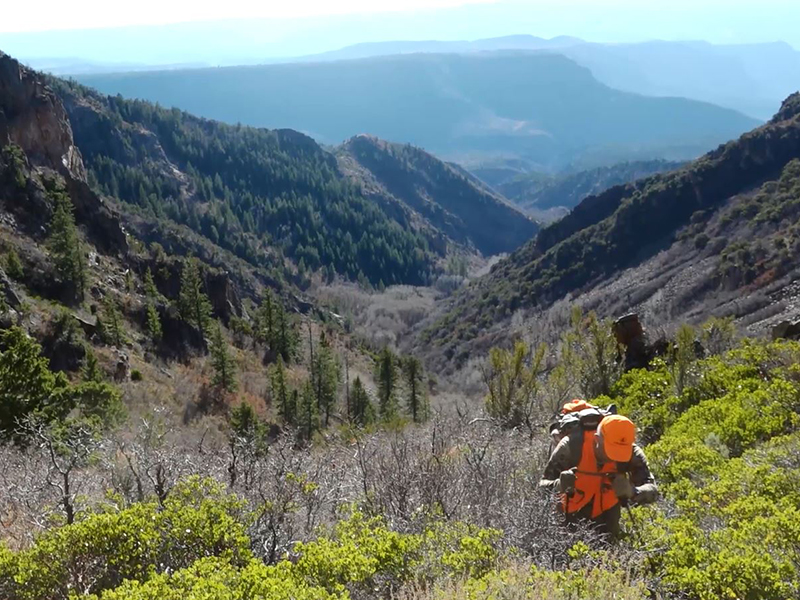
(255, 187)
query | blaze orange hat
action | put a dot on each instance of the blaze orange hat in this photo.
(618, 435)
(576, 405)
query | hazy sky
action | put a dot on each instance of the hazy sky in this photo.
(228, 31)
(85, 14)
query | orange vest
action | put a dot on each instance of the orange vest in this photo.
(591, 484)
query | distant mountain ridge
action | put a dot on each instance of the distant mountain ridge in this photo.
(510, 42)
(750, 78)
(542, 107)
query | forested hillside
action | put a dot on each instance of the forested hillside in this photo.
(543, 192)
(543, 108)
(245, 189)
(446, 199)
(627, 225)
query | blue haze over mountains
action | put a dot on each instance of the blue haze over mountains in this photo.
(540, 108)
(511, 103)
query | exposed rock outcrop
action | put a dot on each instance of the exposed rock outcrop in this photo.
(786, 330)
(33, 117)
(789, 109)
(7, 289)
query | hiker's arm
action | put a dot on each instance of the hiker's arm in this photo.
(645, 488)
(559, 461)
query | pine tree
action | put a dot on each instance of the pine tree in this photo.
(65, 244)
(111, 327)
(363, 412)
(26, 382)
(265, 321)
(150, 289)
(247, 430)
(91, 372)
(194, 304)
(285, 336)
(326, 376)
(14, 265)
(416, 401)
(154, 329)
(387, 383)
(308, 416)
(224, 367)
(285, 402)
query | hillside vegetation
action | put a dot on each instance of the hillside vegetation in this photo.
(249, 190)
(537, 191)
(264, 195)
(446, 510)
(624, 227)
(445, 198)
(544, 108)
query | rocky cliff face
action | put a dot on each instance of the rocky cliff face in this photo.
(33, 118)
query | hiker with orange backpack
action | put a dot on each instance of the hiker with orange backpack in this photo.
(598, 470)
(574, 414)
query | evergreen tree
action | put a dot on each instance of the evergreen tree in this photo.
(244, 422)
(91, 372)
(154, 329)
(150, 289)
(416, 400)
(285, 335)
(283, 398)
(14, 265)
(195, 306)
(362, 410)
(326, 377)
(224, 367)
(65, 244)
(308, 416)
(26, 383)
(111, 327)
(248, 433)
(265, 321)
(387, 383)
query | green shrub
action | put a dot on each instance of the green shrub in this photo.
(13, 265)
(136, 375)
(739, 419)
(197, 520)
(217, 579)
(727, 460)
(358, 551)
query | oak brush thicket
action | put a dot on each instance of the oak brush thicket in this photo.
(720, 434)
